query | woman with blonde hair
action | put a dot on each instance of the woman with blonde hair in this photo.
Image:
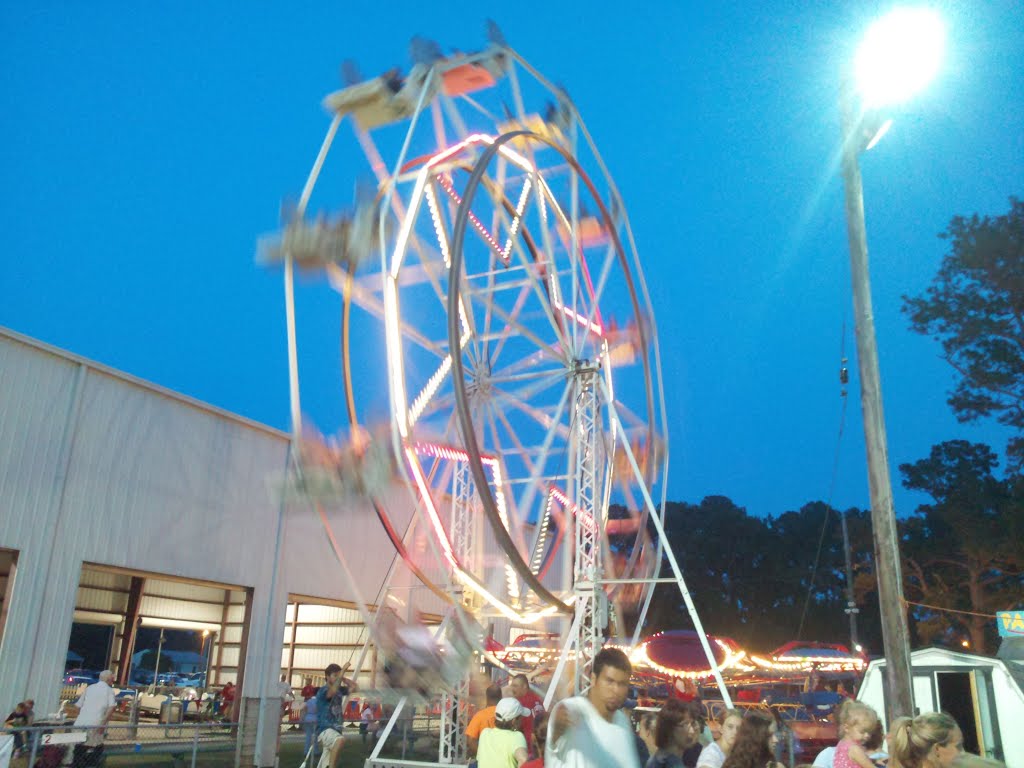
(931, 740)
(714, 754)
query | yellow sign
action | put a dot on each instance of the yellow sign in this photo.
(1010, 623)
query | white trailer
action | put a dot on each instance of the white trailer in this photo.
(985, 695)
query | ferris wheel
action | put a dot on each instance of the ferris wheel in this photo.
(524, 390)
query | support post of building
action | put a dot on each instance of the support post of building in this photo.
(131, 630)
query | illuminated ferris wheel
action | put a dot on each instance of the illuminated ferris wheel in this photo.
(524, 384)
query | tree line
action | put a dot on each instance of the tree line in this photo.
(765, 581)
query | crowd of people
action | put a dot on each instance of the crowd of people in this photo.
(930, 740)
(91, 712)
(510, 730)
(593, 730)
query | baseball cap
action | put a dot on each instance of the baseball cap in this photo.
(509, 709)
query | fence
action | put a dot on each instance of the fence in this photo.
(412, 743)
(178, 743)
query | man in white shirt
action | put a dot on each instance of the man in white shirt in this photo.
(95, 707)
(284, 690)
(592, 731)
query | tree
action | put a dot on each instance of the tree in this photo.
(975, 308)
(750, 578)
(148, 661)
(722, 552)
(811, 586)
(965, 551)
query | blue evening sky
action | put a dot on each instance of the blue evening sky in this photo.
(145, 146)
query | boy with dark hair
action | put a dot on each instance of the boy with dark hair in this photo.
(330, 714)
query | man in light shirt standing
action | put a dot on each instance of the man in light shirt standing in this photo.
(95, 706)
(592, 731)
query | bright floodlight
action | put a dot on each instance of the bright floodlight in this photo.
(900, 54)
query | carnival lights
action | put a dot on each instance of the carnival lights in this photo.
(456, 454)
(640, 657)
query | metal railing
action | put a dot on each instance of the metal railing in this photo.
(183, 743)
(403, 740)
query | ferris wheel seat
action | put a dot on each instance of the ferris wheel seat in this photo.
(466, 78)
(533, 123)
(385, 99)
(590, 232)
(359, 95)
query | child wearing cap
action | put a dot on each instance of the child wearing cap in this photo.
(504, 745)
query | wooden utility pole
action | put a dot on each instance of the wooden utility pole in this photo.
(895, 636)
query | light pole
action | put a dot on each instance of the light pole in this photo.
(851, 605)
(208, 651)
(156, 670)
(898, 56)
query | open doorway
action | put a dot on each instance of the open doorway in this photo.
(8, 565)
(319, 632)
(958, 697)
(154, 629)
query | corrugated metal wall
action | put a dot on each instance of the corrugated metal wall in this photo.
(37, 392)
(97, 467)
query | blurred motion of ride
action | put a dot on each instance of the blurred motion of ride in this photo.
(528, 652)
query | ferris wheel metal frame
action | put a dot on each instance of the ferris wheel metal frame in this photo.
(510, 243)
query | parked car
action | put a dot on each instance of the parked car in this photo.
(141, 676)
(197, 680)
(79, 676)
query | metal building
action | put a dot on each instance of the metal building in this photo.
(124, 503)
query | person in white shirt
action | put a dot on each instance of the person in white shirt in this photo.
(284, 690)
(592, 731)
(95, 707)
